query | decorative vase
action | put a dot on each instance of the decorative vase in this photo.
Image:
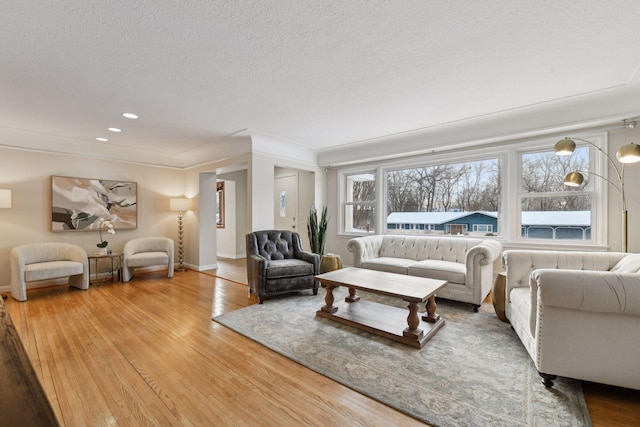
(103, 251)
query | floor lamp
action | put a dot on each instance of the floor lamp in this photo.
(629, 153)
(5, 202)
(180, 206)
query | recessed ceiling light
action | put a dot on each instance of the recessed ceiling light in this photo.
(130, 115)
(114, 129)
(102, 139)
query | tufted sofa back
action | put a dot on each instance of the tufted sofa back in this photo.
(451, 249)
(519, 264)
(276, 244)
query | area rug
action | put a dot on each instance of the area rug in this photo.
(473, 372)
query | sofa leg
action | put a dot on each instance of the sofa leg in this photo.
(475, 307)
(547, 379)
(315, 292)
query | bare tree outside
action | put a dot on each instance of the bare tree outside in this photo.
(462, 187)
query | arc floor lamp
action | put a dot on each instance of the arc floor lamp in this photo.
(629, 153)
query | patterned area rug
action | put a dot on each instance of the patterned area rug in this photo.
(473, 372)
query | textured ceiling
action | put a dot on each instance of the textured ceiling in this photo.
(321, 74)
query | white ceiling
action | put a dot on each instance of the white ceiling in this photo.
(321, 74)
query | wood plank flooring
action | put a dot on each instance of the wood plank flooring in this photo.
(147, 353)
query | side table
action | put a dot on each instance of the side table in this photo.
(498, 295)
(330, 262)
(112, 267)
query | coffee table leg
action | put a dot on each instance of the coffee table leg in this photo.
(352, 296)
(413, 320)
(328, 299)
(431, 315)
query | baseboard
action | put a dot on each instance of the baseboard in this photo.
(231, 256)
(204, 267)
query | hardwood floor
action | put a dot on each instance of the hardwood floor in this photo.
(147, 353)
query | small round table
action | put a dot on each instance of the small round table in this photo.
(113, 270)
(498, 295)
(330, 262)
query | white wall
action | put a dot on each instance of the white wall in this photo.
(28, 175)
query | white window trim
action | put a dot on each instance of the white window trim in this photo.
(342, 195)
(599, 212)
(508, 219)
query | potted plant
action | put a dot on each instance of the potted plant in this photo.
(317, 230)
(108, 225)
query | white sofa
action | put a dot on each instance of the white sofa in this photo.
(465, 263)
(146, 252)
(45, 261)
(577, 313)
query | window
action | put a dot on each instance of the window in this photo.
(358, 207)
(549, 209)
(514, 192)
(447, 198)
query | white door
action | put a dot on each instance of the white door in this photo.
(286, 203)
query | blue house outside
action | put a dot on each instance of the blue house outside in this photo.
(561, 225)
(444, 222)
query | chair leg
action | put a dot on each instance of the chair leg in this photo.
(475, 307)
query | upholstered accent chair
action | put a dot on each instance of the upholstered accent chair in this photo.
(577, 313)
(45, 261)
(277, 264)
(147, 252)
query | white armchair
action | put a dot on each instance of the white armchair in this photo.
(145, 252)
(577, 313)
(45, 261)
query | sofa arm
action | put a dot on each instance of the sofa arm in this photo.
(364, 248)
(487, 252)
(256, 271)
(594, 291)
(311, 258)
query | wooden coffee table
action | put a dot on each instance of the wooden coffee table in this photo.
(381, 319)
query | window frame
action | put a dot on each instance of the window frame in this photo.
(509, 214)
(598, 192)
(343, 203)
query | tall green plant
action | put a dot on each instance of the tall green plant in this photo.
(317, 231)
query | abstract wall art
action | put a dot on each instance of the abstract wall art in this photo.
(78, 204)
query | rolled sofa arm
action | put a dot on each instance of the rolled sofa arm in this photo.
(364, 248)
(594, 291)
(488, 251)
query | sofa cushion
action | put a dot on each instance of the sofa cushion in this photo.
(452, 272)
(144, 259)
(51, 270)
(288, 268)
(628, 264)
(388, 264)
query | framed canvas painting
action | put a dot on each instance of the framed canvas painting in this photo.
(79, 204)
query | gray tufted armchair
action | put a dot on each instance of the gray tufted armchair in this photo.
(277, 264)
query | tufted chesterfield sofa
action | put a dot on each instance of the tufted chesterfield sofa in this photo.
(45, 261)
(277, 264)
(577, 313)
(465, 263)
